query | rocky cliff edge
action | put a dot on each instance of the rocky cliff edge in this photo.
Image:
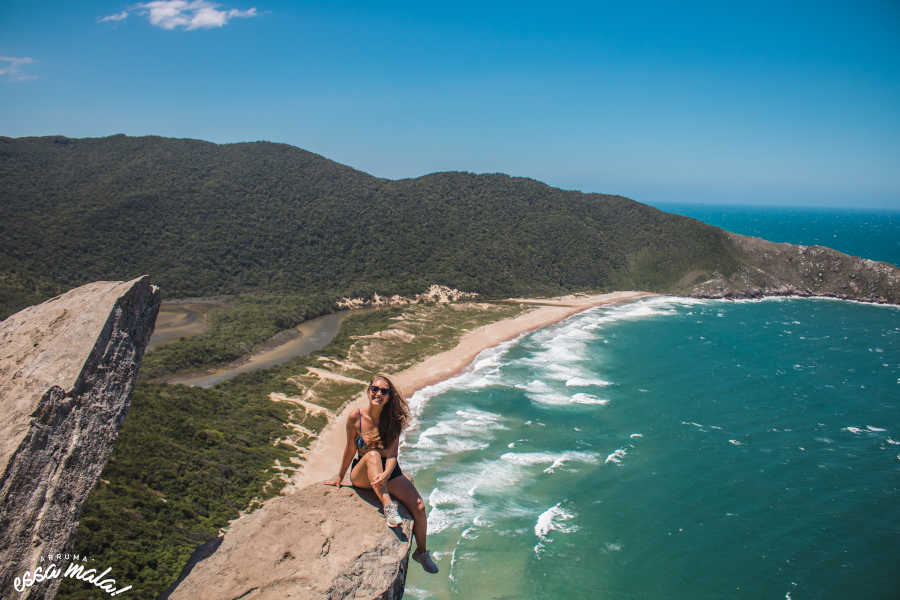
(67, 368)
(320, 542)
(773, 269)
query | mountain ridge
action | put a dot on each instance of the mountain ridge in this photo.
(208, 219)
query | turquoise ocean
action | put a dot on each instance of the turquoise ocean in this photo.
(675, 448)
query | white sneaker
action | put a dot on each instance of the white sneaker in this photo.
(391, 516)
(424, 558)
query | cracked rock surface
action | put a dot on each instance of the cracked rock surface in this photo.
(320, 542)
(67, 369)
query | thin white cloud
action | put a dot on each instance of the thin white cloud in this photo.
(116, 17)
(10, 67)
(184, 14)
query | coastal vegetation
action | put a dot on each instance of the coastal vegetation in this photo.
(188, 460)
(204, 220)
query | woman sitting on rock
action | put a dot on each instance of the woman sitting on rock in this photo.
(374, 434)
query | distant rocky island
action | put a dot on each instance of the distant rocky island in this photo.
(205, 219)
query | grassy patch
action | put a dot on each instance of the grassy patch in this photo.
(423, 330)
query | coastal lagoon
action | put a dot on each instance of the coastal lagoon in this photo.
(670, 448)
(310, 336)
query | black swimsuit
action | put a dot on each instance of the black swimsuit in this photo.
(361, 445)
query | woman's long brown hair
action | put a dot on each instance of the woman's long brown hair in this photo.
(394, 416)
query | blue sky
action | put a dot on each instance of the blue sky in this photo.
(777, 103)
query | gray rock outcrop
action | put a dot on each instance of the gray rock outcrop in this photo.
(320, 542)
(67, 369)
(773, 269)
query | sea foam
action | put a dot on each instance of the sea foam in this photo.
(553, 460)
(464, 430)
(616, 456)
(555, 518)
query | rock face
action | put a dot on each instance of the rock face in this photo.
(772, 269)
(320, 542)
(67, 368)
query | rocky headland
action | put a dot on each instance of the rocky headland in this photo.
(67, 369)
(773, 269)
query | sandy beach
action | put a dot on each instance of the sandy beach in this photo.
(324, 454)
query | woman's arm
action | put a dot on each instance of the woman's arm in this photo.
(349, 450)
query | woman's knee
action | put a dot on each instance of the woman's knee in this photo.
(372, 457)
(419, 506)
(371, 461)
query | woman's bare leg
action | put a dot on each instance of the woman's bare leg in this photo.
(368, 468)
(404, 491)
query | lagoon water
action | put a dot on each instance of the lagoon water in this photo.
(669, 448)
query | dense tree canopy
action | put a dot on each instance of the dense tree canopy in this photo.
(205, 219)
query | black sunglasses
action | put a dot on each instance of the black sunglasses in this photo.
(375, 389)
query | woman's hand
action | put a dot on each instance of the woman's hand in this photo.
(379, 478)
(336, 482)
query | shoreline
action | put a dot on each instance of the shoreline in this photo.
(791, 296)
(764, 295)
(324, 452)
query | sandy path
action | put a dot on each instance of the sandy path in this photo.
(309, 406)
(325, 452)
(325, 374)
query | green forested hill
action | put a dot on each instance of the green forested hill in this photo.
(205, 219)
